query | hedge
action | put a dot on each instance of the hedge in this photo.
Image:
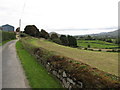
(7, 36)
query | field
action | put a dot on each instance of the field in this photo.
(36, 74)
(106, 61)
(96, 44)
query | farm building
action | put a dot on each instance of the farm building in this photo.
(7, 27)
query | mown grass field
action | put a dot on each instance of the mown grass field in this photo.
(36, 74)
(96, 44)
(106, 61)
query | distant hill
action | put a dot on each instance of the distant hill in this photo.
(113, 34)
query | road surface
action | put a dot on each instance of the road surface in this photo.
(12, 72)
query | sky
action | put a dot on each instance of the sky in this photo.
(73, 17)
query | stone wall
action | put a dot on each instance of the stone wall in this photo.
(74, 75)
(66, 79)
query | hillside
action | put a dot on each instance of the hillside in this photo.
(105, 61)
(113, 34)
(109, 34)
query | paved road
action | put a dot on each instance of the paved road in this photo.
(12, 72)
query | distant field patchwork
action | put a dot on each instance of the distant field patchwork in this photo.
(106, 61)
(96, 44)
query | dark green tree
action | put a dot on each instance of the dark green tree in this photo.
(18, 29)
(44, 34)
(89, 37)
(109, 40)
(54, 36)
(72, 41)
(64, 40)
(32, 30)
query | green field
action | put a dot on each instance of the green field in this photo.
(95, 44)
(36, 74)
(106, 61)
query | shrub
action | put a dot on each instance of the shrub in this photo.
(23, 35)
(85, 48)
(57, 40)
(88, 45)
(99, 50)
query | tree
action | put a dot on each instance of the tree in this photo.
(32, 30)
(117, 41)
(18, 29)
(54, 36)
(109, 40)
(57, 40)
(44, 34)
(64, 40)
(88, 45)
(72, 41)
(89, 37)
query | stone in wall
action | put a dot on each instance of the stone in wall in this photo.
(80, 84)
(66, 84)
(54, 73)
(71, 81)
(64, 74)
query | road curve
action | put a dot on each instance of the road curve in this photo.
(12, 72)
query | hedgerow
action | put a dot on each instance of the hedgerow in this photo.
(7, 36)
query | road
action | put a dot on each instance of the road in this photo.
(12, 72)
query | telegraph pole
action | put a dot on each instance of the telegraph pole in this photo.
(20, 24)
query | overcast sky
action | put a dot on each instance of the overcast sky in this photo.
(73, 17)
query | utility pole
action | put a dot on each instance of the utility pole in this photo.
(19, 29)
(20, 23)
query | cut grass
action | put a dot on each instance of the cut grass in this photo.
(106, 61)
(36, 74)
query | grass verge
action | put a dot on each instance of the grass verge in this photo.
(4, 42)
(36, 74)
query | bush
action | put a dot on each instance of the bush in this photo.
(88, 46)
(23, 35)
(85, 48)
(57, 40)
(99, 50)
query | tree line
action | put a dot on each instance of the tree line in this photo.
(68, 40)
